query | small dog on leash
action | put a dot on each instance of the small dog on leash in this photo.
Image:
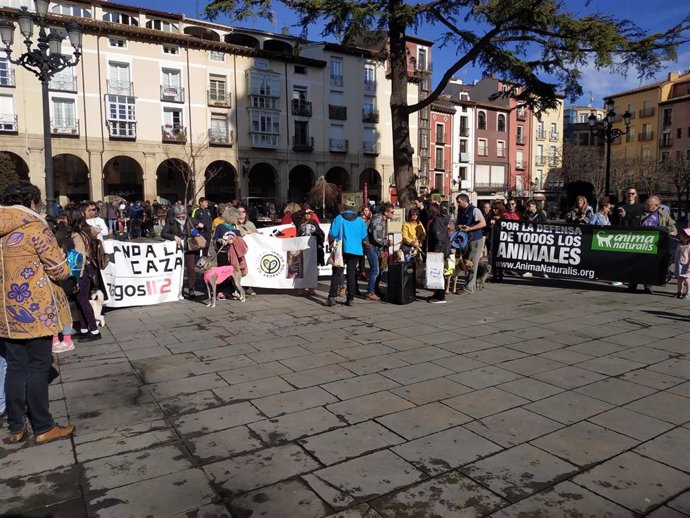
(96, 301)
(215, 275)
(462, 266)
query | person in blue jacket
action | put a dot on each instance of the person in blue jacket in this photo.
(351, 228)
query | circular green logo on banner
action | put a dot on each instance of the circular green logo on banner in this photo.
(271, 264)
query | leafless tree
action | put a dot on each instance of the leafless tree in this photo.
(185, 165)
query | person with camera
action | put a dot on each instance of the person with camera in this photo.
(628, 213)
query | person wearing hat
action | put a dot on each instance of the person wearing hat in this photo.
(352, 230)
(682, 263)
(179, 230)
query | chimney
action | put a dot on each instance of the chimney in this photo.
(455, 81)
(673, 75)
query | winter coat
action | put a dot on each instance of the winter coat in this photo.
(353, 229)
(33, 303)
(534, 217)
(377, 231)
(111, 211)
(437, 239)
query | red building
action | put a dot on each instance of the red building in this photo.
(442, 111)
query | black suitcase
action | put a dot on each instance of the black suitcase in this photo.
(402, 288)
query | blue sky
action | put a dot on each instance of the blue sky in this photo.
(652, 15)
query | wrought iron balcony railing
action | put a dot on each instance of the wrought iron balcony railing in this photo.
(219, 98)
(174, 133)
(116, 87)
(8, 123)
(302, 143)
(301, 108)
(370, 115)
(338, 145)
(218, 137)
(63, 83)
(371, 148)
(60, 126)
(173, 94)
(337, 112)
(7, 78)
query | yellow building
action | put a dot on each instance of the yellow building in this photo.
(547, 148)
(156, 94)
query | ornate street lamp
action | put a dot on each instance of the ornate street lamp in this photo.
(44, 61)
(604, 129)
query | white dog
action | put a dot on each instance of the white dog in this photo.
(96, 302)
(604, 240)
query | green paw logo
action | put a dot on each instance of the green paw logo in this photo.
(271, 264)
(635, 241)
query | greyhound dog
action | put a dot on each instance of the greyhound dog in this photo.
(215, 275)
(483, 271)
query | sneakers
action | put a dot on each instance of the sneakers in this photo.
(437, 301)
(90, 337)
(330, 301)
(373, 296)
(55, 433)
(62, 347)
(527, 274)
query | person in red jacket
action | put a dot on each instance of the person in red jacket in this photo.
(512, 213)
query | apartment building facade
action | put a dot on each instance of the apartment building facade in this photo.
(576, 129)
(156, 94)
(674, 124)
(547, 150)
(463, 151)
(442, 137)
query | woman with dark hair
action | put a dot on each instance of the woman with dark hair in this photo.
(34, 307)
(437, 240)
(85, 242)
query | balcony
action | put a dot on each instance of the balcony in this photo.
(264, 102)
(647, 112)
(482, 150)
(219, 98)
(303, 144)
(64, 127)
(120, 87)
(63, 83)
(265, 140)
(369, 86)
(301, 108)
(540, 161)
(553, 161)
(630, 137)
(7, 78)
(419, 69)
(336, 80)
(371, 148)
(173, 94)
(464, 157)
(667, 121)
(337, 112)
(519, 164)
(8, 123)
(498, 185)
(370, 115)
(666, 142)
(646, 136)
(521, 115)
(218, 137)
(464, 132)
(122, 130)
(338, 145)
(440, 138)
(520, 139)
(174, 133)
(553, 136)
(541, 135)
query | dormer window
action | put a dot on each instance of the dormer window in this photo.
(118, 17)
(70, 10)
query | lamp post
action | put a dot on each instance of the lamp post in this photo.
(44, 61)
(605, 130)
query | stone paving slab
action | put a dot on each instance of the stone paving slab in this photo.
(530, 400)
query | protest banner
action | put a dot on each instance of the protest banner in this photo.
(142, 274)
(434, 271)
(273, 262)
(280, 231)
(627, 254)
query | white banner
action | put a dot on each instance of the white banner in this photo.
(275, 262)
(434, 271)
(324, 271)
(142, 274)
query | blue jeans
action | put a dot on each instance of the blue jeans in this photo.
(28, 369)
(3, 370)
(373, 258)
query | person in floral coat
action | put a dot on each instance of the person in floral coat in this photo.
(34, 308)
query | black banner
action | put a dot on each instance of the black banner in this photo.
(627, 254)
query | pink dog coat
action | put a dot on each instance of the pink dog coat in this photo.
(222, 274)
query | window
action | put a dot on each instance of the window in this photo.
(161, 25)
(171, 81)
(218, 132)
(463, 146)
(8, 119)
(369, 78)
(265, 128)
(64, 118)
(582, 118)
(171, 49)
(121, 115)
(119, 81)
(500, 148)
(679, 132)
(424, 144)
(421, 59)
(520, 135)
(71, 10)
(263, 84)
(553, 131)
(519, 160)
(540, 130)
(463, 173)
(299, 93)
(438, 162)
(553, 155)
(172, 117)
(440, 134)
(481, 120)
(217, 89)
(215, 55)
(501, 122)
(6, 76)
(482, 147)
(336, 68)
(117, 17)
(540, 154)
(301, 70)
(464, 131)
(117, 43)
(302, 133)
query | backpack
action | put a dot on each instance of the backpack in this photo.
(76, 262)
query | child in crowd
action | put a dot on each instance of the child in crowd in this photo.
(63, 342)
(682, 260)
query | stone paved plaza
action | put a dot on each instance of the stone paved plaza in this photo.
(533, 398)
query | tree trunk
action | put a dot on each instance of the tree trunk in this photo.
(402, 147)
